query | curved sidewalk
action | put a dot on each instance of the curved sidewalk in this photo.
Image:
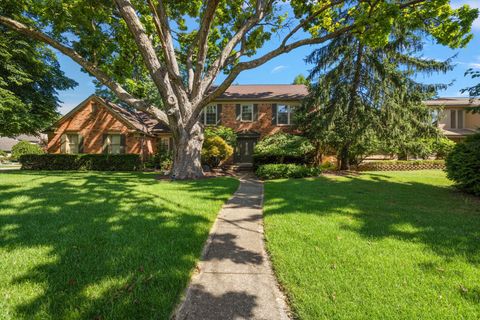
(235, 278)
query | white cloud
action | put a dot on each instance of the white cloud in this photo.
(475, 65)
(278, 69)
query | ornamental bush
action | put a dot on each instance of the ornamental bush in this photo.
(94, 162)
(279, 171)
(25, 147)
(215, 150)
(463, 164)
(227, 134)
(442, 147)
(283, 148)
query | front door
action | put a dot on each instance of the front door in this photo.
(244, 149)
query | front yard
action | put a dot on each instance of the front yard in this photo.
(398, 245)
(100, 245)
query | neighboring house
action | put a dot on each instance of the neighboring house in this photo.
(7, 143)
(100, 126)
(453, 118)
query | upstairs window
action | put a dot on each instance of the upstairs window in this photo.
(247, 113)
(284, 114)
(114, 144)
(209, 115)
(456, 119)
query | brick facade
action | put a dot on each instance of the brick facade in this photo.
(95, 118)
(263, 125)
(92, 121)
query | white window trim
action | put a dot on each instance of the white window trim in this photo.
(67, 143)
(289, 114)
(203, 119)
(241, 112)
(108, 143)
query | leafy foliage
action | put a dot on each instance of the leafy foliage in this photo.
(30, 78)
(463, 164)
(215, 150)
(94, 162)
(301, 79)
(162, 159)
(442, 147)
(474, 91)
(365, 98)
(183, 46)
(284, 171)
(25, 147)
(283, 144)
(226, 133)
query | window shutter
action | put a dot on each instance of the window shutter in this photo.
(80, 144)
(274, 114)
(123, 144)
(201, 117)
(219, 114)
(255, 112)
(104, 143)
(63, 143)
(239, 112)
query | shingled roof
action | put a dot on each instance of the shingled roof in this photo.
(140, 120)
(460, 102)
(267, 92)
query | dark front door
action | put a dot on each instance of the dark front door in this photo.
(244, 149)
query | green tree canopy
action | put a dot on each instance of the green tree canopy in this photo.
(365, 98)
(30, 78)
(183, 46)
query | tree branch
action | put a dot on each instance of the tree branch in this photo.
(219, 63)
(119, 91)
(202, 38)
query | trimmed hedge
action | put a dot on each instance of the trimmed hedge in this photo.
(463, 165)
(283, 148)
(279, 171)
(95, 162)
(401, 165)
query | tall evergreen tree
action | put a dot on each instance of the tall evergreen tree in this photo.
(184, 46)
(364, 97)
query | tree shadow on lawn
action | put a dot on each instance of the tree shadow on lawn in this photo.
(118, 246)
(445, 221)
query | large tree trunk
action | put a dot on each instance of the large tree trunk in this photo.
(345, 158)
(187, 155)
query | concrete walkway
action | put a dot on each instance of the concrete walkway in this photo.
(235, 279)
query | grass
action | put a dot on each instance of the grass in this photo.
(100, 245)
(398, 245)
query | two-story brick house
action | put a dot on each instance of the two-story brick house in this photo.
(100, 126)
(454, 119)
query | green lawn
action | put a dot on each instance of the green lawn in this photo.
(100, 245)
(398, 245)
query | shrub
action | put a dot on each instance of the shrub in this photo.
(403, 165)
(279, 171)
(96, 162)
(463, 164)
(442, 147)
(227, 134)
(162, 159)
(283, 148)
(215, 150)
(25, 147)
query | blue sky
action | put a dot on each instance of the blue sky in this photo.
(285, 67)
